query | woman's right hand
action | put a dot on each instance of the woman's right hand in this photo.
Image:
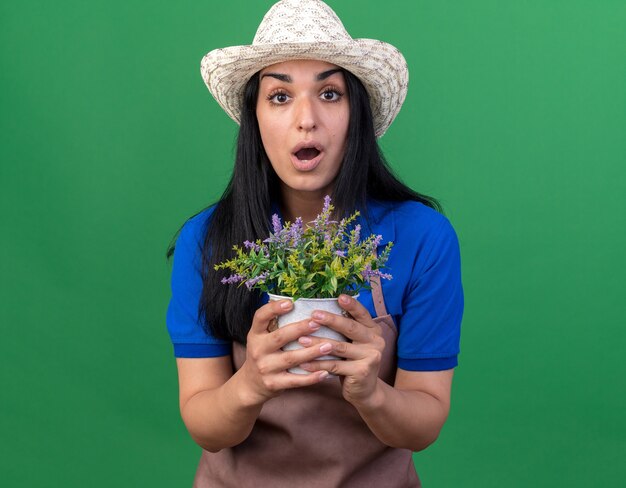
(265, 369)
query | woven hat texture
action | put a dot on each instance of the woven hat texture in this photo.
(309, 29)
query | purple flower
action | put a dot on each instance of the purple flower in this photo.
(253, 281)
(326, 204)
(368, 273)
(295, 232)
(252, 245)
(356, 234)
(342, 227)
(232, 279)
(341, 254)
(323, 219)
(276, 224)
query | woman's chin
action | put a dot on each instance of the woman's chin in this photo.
(307, 184)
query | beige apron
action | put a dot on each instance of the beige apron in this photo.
(312, 437)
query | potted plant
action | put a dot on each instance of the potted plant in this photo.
(311, 265)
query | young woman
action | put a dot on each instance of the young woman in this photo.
(311, 101)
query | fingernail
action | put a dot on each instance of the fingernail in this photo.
(344, 299)
(318, 315)
(314, 325)
(326, 347)
(285, 305)
(323, 375)
(305, 341)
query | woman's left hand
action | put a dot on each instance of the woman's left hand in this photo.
(359, 373)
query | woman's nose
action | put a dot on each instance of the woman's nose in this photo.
(305, 115)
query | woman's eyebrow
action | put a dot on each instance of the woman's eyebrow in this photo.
(326, 74)
(278, 76)
(287, 79)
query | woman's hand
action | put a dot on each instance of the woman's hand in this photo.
(363, 355)
(265, 369)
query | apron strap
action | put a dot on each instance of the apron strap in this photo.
(377, 297)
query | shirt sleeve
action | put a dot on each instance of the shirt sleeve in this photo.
(433, 307)
(189, 338)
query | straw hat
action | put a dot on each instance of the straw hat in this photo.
(309, 29)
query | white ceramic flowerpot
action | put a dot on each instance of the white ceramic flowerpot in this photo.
(303, 309)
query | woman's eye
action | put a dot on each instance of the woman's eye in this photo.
(331, 96)
(278, 98)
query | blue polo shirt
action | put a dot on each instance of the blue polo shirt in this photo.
(425, 296)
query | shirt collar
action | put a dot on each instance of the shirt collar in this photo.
(380, 220)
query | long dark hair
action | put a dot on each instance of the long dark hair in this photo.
(243, 211)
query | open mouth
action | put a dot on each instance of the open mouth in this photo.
(307, 153)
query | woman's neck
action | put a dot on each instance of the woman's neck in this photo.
(303, 204)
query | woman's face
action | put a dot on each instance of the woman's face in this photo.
(303, 115)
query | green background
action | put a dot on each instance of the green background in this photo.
(515, 119)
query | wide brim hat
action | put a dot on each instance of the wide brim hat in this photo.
(309, 29)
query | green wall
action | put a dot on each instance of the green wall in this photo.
(515, 119)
